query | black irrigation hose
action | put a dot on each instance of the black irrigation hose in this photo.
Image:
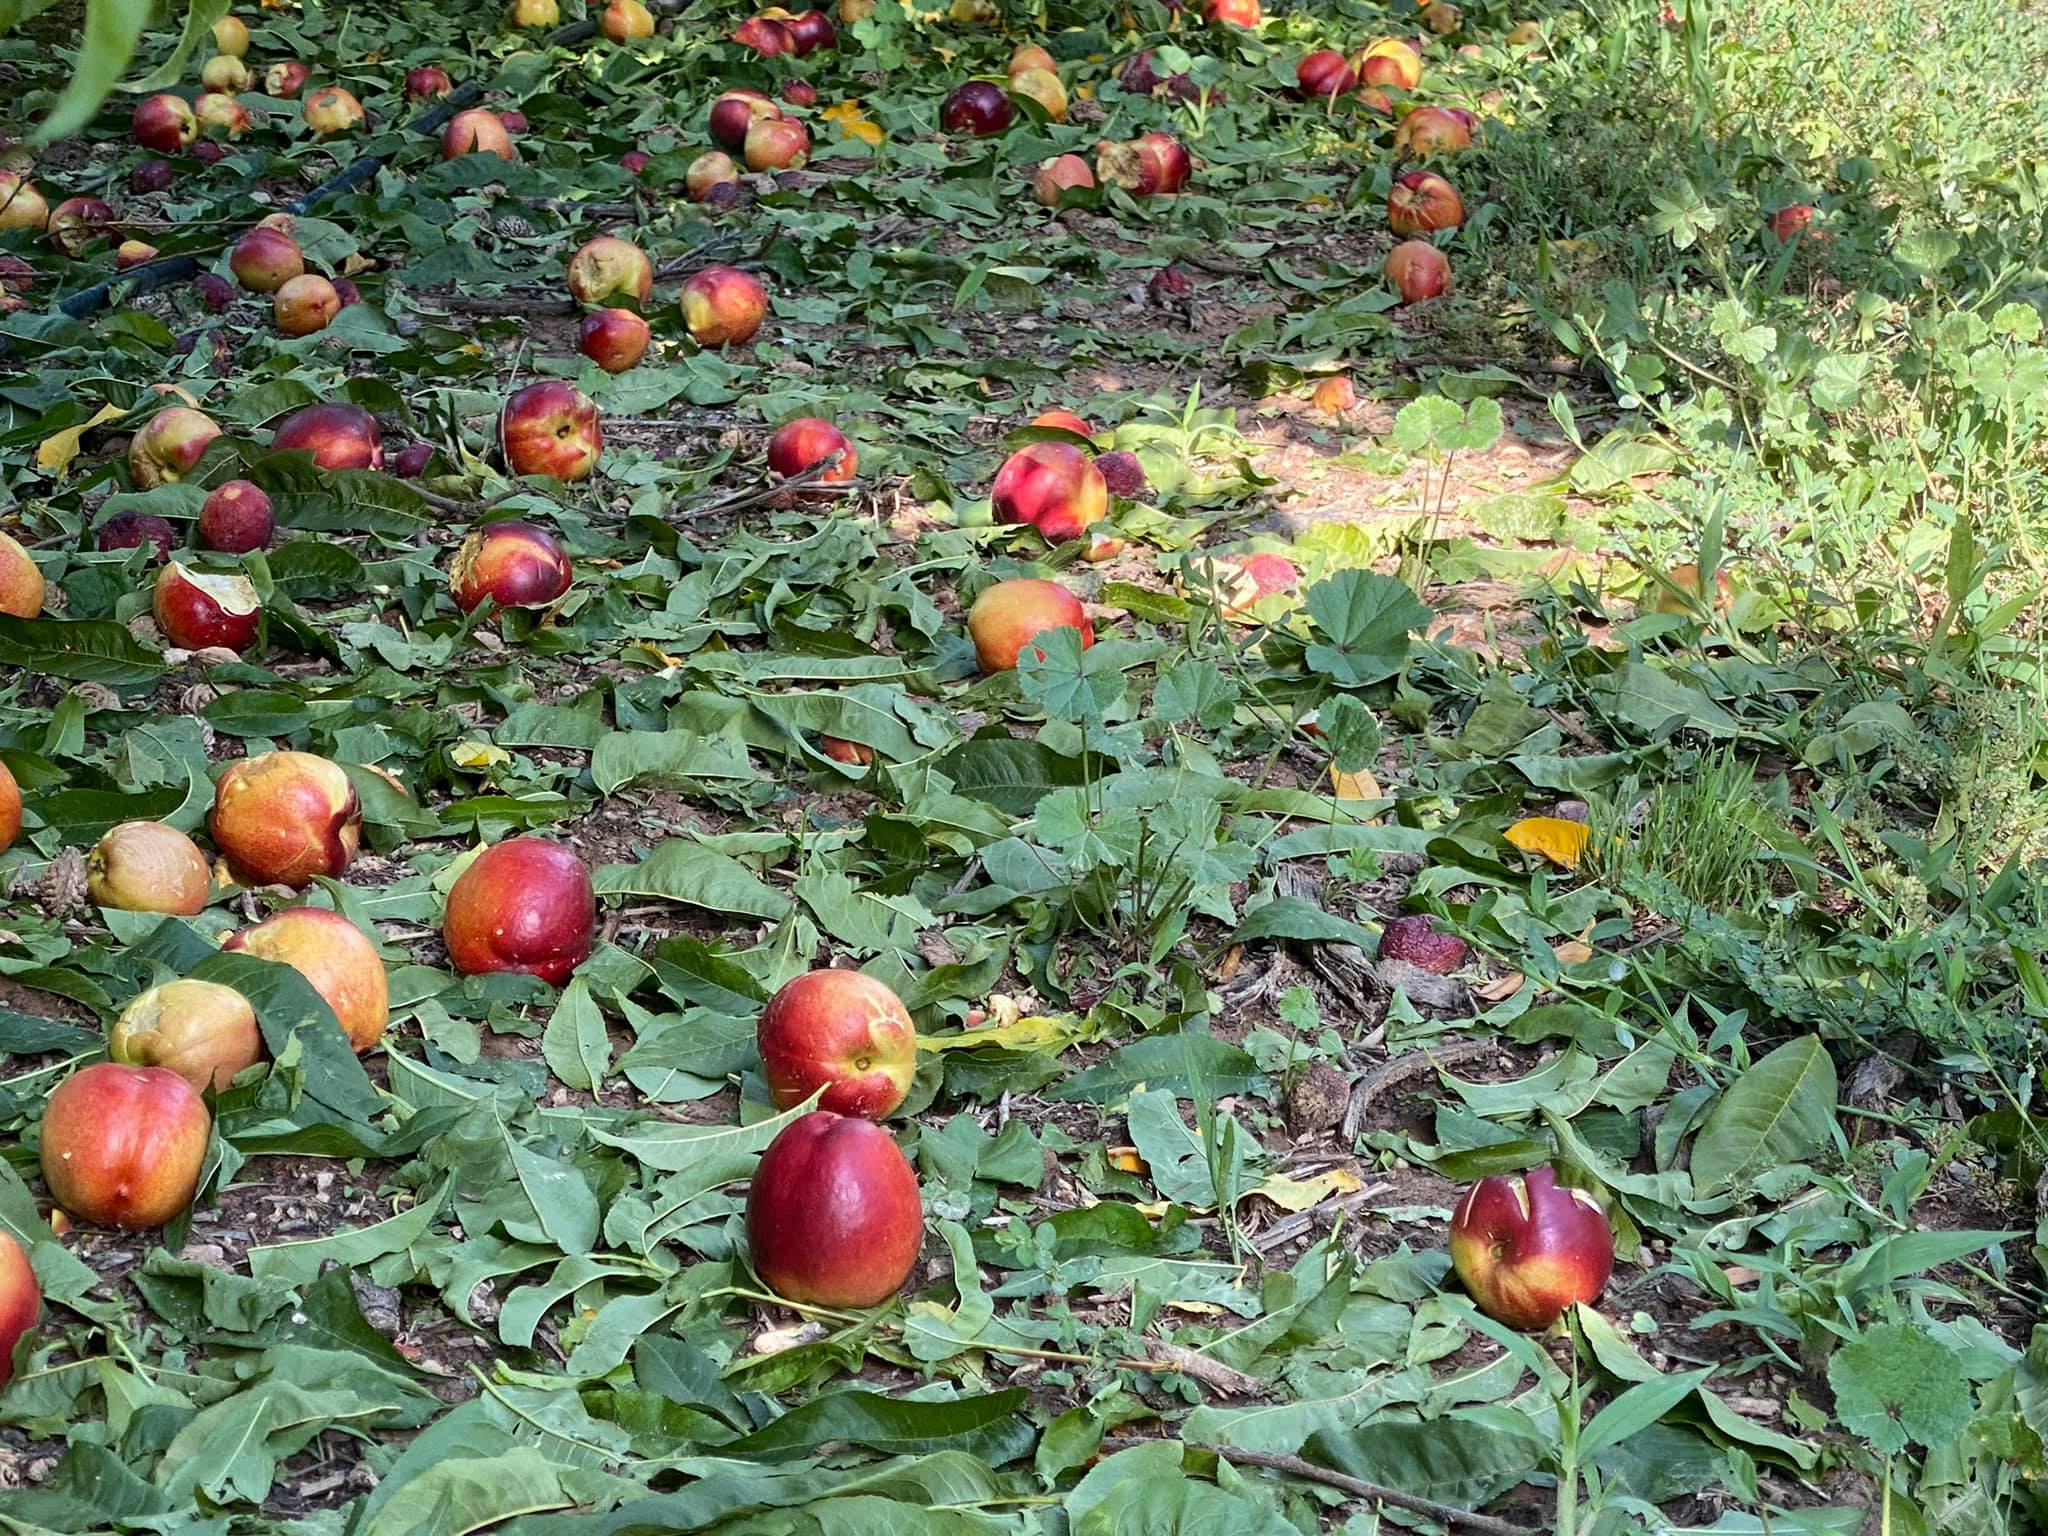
(169, 269)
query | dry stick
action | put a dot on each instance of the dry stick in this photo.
(1297, 1222)
(812, 479)
(1400, 1069)
(1357, 1487)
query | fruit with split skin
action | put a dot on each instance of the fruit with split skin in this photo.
(713, 168)
(1526, 1247)
(514, 564)
(476, 132)
(225, 73)
(840, 1032)
(1058, 175)
(21, 595)
(796, 447)
(765, 35)
(1390, 61)
(608, 269)
(734, 112)
(77, 222)
(236, 518)
(169, 446)
(1053, 486)
(1417, 270)
(427, 82)
(551, 428)
(145, 866)
(21, 1301)
(282, 818)
(285, 79)
(215, 111)
(1010, 614)
(164, 123)
(1421, 203)
(337, 434)
(524, 905)
(614, 339)
(723, 305)
(337, 960)
(200, 609)
(201, 1030)
(124, 1146)
(1149, 165)
(834, 1217)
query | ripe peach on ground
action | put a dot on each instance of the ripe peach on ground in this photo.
(214, 110)
(610, 268)
(285, 79)
(1526, 1248)
(1043, 87)
(1418, 270)
(977, 107)
(132, 530)
(797, 446)
(124, 1146)
(1057, 175)
(523, 905)
(799, 93)
(1428, 131)
(427, 82)
(10, 805)
(834, 1217)
(337, 434)
(236, 518)
(265, 259)
(1150, 164)
(145, 866)
(550, 428)
(1421, 203)
(196, 609)
(1234, 13)
(1790, 222)
(169, 446)
(1010, 614)
(1053, 486)
(614, 339)
(21, 1301)
(514, 564)
(305, 304)
(734, 112)
(336, 959)
(723, 305)
(133, 253)
(855, 754)
(624, 20)
(282, 818)
(225, 73)
(201, 1030)
(332, 109)
(1335, 395)
(1390, 61)
(840, 1031)
(78, 221)
(21, 587)
(765, 35)
(1524, 34)
(713, 168)
(776, 144)
(231, 36)
(1324, 73)
(476, 132)
(1066, 421)
(1030, 56)
(163, 123)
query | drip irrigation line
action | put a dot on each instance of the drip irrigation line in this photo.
(169, 269)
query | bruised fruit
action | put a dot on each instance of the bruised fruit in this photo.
(331, 109)
(1431, 131)
(1060, 174)
(1151, 164)
(614, 339)
(164, 123)
(201, 1030)
(1414, 940)
(337, 960)
(1390, 61)
(1122, 474)
(284, 817)
(551, 428)
(765, 36)
(1526, 1248)
(1043, 87)
(1010, 614)
(777, 144)
(723, 305)
(607, 269)
(170, 446)
(734, 112)
(713, 168)
(1422, 203)
(834, 1218)
(286, 79)
(236, 518)
(841, 1032)
(132, 530)
(1417, 270)
(1053, 486)
(514, 564)
(124, 1146)
(77, 222)
(145, 866)
(523, 905)
(427, 82)
(21, 588)
(198, 609)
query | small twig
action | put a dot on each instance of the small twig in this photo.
(1210, 1373)
(1291, 1226)
(811, 481)
(1357, 1487)
(1399, 1069)
(442, 503)
(1659, 935)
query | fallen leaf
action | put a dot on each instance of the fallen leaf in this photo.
(776, 1340)
(1572, 952)
(1040, 1032)
(1501, 988)
(1300, 1194)
(1127, 1160)
(477, 754)
(1354, 786)
(852, 122)
(58, 449)
(1560, 841)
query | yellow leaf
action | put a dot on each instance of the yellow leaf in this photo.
(58, 449)
(1040, 1032)
(1560, 841)
(1572, 952)
(477, 754)
(1354, 786)
(1300, 1194)
(852, 122)
(1153, 1210)
(1126, 1160)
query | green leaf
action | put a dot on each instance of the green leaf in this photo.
(1171, 1149)
(559, 1194)
(987, 1427)
(200, 15)
(1463, 1459)
(83, 650)
(575, 1044)
(1364, 618)
(686, 871)
(1899, 1383)
(112, 29)
(1779, 1111)
(300, 1263)
(1637, 1408)
(1161, 1062)
(1290, 917)
(462, 1493)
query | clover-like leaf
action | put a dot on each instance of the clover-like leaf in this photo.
(1899, 1383)
(1365, 619)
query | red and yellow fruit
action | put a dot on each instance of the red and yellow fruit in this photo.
(337, 434)
(1422, 203)
(170, 446)
(427, 82)
(776, 144)
(77, 222)
(1390, 61)
(1233, 13)
(21, 588)
(305, 304)
(10, 808)
(1417, 270)
(523, 905)
(265, 259)
(855, 754)
(1009, 615)
(1324, 73)
(723, 305)
(1526, 1248)
(285, 79)
(713, 168)
(163, 123)
(1429, 131)
(551, 428)
(834, 1218)
(514, 564)
(283, 818)
(336, 959)
(236, 518)
(1151, 164)
(734, 112)
(614, 339)
(625, 20)
(145, 866)
(476, 132)
(607, 269)
(841, 1032)
(21, 1301)
(799, 446)
(332, 109)
(124, 1146)
(1053, 486)
(1058, 175)
(201, 1030)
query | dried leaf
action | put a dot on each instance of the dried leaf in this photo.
(58, 449)
(1300, 1194)
(1560, 841)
